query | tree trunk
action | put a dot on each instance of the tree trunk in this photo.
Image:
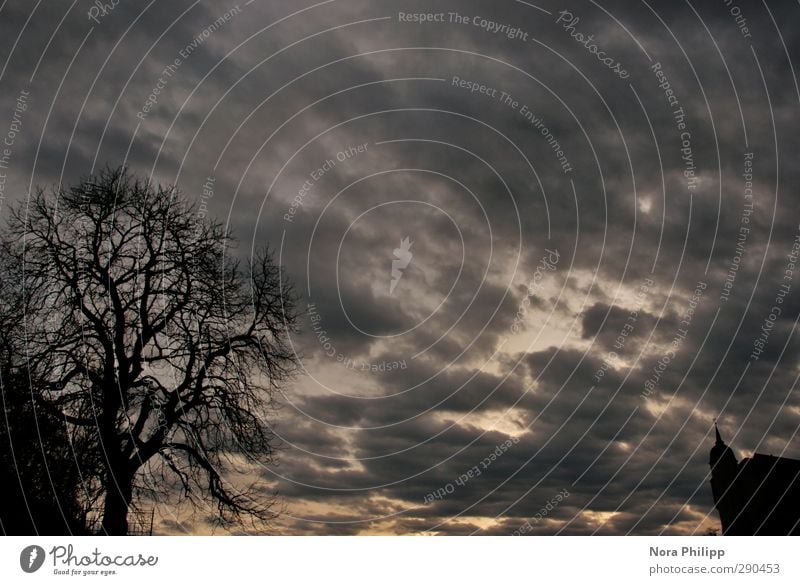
(118, 481)
(115, 510)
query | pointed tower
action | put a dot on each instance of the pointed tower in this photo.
(724, 467)
(722, 457)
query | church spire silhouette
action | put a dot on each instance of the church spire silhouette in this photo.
(758, 495)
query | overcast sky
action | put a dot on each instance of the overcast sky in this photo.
(600, 203)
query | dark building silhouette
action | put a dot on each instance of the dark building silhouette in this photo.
(755, 496)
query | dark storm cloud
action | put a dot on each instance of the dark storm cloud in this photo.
(604, 324)
(364, 448)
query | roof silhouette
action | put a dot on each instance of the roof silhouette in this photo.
(759, 495)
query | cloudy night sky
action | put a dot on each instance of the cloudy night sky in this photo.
(540, 247)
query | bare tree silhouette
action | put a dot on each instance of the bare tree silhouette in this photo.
(142, 328)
